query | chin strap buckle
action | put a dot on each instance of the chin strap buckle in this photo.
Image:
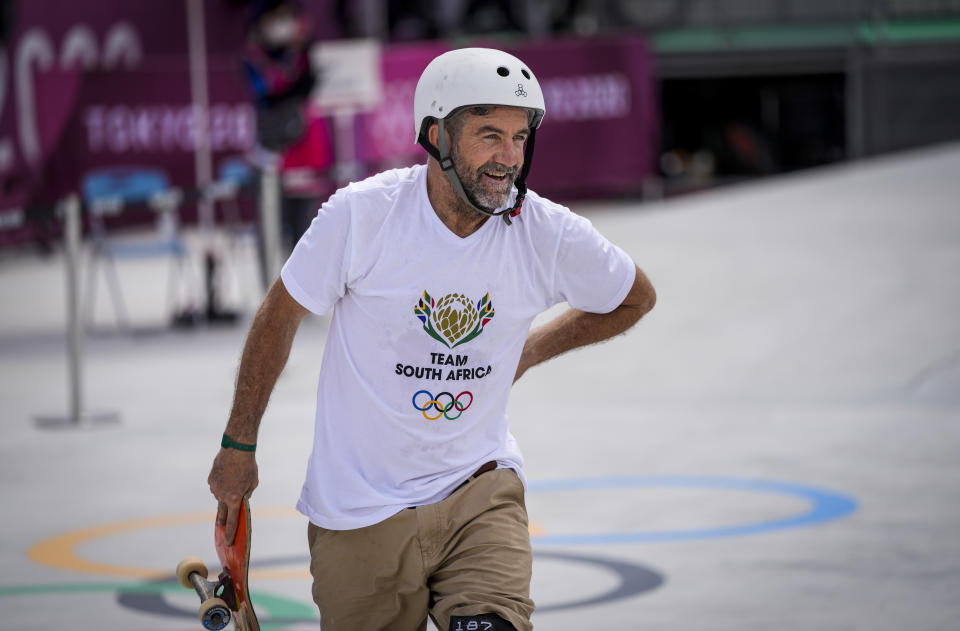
(521, 195)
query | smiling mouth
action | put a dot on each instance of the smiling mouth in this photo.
(499, 181)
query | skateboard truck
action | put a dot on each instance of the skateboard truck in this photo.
(217, 597)
(227, 599)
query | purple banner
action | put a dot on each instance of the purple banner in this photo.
(145, 117)
(386, 135)
(106, 83)
(600, 131)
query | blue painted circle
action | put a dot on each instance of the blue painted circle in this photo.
(825, 505)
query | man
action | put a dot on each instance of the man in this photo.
(415, 489)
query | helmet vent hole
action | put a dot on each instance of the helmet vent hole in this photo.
(524, 72)
(503, 71)
(440, 108)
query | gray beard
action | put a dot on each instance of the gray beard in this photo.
(473, 186)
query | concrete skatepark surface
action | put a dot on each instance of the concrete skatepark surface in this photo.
(775, 446)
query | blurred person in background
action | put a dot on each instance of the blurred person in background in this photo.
(492, 16)
(415, 488)
(290, 128)
(410, 20)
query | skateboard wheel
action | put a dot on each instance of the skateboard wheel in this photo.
(187, 567)
(214, 614)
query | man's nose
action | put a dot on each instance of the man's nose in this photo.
(510, 154)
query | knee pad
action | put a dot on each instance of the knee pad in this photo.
(480, 622)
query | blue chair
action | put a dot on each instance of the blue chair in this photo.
(111, 191)
(235, 170)
(233, 174)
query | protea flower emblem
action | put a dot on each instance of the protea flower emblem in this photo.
(454, 319)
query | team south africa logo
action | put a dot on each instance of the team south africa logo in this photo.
(454, 319)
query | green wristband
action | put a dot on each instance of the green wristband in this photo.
(229, 443)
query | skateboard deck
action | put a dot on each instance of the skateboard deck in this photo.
(227, 598)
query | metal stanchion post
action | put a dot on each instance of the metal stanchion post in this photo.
(71, 240)
(346, 169)
(270, 221)
(76, 416)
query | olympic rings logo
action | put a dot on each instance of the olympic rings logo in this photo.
(442, 409)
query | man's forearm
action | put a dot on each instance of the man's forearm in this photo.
(574, 328)
(265, 354)
(571, 330)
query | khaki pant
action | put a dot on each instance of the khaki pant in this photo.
(466, 555)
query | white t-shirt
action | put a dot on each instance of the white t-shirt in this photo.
(426, 336)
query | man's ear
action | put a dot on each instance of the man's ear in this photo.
(433, 134)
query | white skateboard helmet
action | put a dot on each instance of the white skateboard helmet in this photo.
(475, 76)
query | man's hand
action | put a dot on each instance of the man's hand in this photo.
(232, 478)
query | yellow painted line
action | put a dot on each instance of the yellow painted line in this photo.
(293, 574)
(60, 551)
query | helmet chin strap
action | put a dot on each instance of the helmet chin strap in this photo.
(446, 163)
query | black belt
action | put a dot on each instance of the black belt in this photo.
(486, 466)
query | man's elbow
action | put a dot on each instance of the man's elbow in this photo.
(642, 297)
(642, 307)
(649, 301)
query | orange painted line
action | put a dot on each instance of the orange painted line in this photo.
(60, 551)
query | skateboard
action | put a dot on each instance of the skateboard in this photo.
(228, 597)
